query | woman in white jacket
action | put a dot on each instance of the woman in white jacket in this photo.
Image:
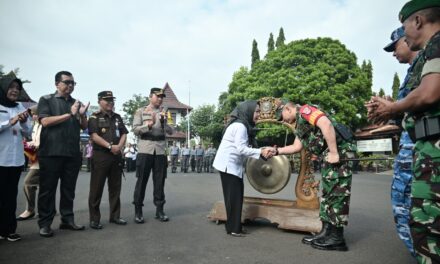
(14, 124)
(234, 148)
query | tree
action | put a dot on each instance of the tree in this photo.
(381, 92)
(255, 54)
(280, 39)
(319, 71)
(270, 44)
(132, 105)
(396, 86)
(206, 123)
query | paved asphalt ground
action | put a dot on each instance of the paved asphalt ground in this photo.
(191, 238)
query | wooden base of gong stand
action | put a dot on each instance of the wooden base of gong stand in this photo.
(286, 213)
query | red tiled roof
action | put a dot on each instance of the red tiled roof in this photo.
(171, 99)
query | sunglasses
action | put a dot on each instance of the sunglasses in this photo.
(69, 82)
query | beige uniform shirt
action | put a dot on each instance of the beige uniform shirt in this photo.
(140, 129)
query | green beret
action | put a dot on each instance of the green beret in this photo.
(415, 5)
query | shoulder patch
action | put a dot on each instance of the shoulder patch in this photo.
(311, 113)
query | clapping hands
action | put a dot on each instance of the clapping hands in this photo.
(78, 107)
(379, 109)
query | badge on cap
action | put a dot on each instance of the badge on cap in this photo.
(103, 130)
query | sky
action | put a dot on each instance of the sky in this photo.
(196, 46)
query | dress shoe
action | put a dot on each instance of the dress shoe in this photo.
(72, 226)
(237, 234)
(118, 221)
(138, 217)
(13, 237)
(160, 215)
(46, 231)
(95, 225)
(21, 218)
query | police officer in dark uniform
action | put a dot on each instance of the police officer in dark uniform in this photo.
(108, 133)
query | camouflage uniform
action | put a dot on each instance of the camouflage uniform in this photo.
(402, 178)
(425, 191)
(336, 178)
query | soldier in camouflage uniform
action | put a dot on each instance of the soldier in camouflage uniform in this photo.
(421, 19)
(320, 134)
(402, 178)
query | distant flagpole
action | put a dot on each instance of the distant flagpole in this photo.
(187, 113)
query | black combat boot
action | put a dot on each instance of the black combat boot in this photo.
(160, 215)
(333, 241)
(326, 226)
(138, 216)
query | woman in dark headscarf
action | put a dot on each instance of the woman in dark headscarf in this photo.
(14, 123)
(233, 149)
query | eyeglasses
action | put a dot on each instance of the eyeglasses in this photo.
(69, 82)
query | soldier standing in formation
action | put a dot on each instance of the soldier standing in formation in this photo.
(401, 185)
(192, 154)
(209, 158)
(174, 153)
(108, 133)
(184, 160)
(199, 157)
(421, 20)
(320, 134)
(150, 125)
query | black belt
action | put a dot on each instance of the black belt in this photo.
(153, 138)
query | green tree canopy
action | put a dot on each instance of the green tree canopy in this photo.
(255, 53)
(381, 92)
(270, 44)
(396, 85)
(318, 71)
(280, 39)
(206, 123)
(132, 105)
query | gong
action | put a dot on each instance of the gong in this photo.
(269, 176)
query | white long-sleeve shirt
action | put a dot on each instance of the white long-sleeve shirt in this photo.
(233, 150)
(11, 137)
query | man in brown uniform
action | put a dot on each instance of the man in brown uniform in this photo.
(150, 125)
(108, 134)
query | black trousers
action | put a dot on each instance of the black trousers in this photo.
(105, 166)
(53, 169)
(233, 190)
(145, 163)
(9, 177)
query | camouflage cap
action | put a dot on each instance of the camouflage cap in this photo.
(395, 36)
(416, 5)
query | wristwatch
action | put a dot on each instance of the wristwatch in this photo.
(109, 146)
